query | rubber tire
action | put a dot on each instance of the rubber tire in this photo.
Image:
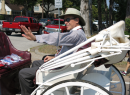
(120, 75)
(74, 81)
(8, 33)
(40, 31)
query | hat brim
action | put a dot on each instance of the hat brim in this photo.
(81, 20)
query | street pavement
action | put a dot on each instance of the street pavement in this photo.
(23, 44)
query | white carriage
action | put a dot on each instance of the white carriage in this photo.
(84, 72)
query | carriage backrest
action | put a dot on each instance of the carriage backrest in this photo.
(116, 31)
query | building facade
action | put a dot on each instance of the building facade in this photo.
(6, 8)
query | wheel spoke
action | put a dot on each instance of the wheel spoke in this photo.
(113, 74)
(67, 90)
(82, 91)
(115, 82)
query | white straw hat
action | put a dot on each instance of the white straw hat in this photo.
(74, 12)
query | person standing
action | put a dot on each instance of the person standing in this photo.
(127, 66)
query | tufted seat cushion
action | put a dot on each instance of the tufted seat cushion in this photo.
(4, 46)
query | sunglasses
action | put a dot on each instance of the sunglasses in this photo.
(68, 19)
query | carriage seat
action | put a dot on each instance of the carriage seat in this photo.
(9, 84)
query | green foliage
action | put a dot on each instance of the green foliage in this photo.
(47, 4)
(127, 23)
(94, 12)
(120, 9)
(127, 33)
(66, 4)
(1, 17)
(76, 4)
(94, 2)
(95, 9)
(70, 4)
(28, 4)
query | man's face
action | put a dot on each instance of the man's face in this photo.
(71, 22)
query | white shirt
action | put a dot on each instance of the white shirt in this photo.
(67, 40)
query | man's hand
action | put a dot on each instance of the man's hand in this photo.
(28, 33)
(47, 58)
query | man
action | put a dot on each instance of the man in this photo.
(67, 40)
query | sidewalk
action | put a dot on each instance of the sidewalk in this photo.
(36, 55)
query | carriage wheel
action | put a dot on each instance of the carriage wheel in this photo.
(117, 83)
(82, 87)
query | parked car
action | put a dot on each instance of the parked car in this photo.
(114, 22)
(54, 27)
(45, 21)
(104, 22)
(96, 23)
(14, 26)
(1, 23)
(94, 27)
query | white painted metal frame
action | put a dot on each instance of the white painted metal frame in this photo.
(81, 57)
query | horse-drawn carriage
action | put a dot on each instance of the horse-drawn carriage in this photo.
(89, 70)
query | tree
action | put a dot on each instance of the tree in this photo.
(47, 4)
(100, 12)
(76, 4)
(66, 4)
(128, 10)
(106, 12)
(111, 12)
(120, 9)
(1, 17)
(26, 3)
(127, 18)
(99, 15)
(34, 2)
(94, 12)
(85, 13)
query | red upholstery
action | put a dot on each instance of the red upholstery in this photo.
(9, 83)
